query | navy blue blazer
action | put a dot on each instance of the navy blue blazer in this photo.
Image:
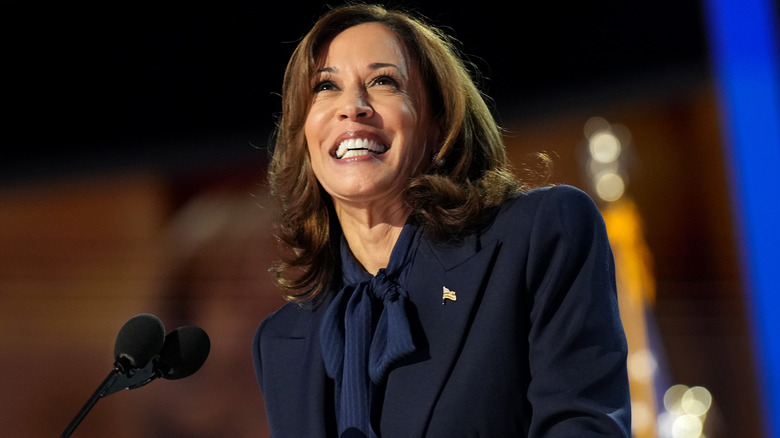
(532, 347)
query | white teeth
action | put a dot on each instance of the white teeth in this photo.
(354, 147)
(355, 153)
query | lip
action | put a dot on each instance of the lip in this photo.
(358, 134)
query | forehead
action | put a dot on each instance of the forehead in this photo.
(365, 43)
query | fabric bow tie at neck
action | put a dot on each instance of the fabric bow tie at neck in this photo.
(392, 337)
(365, 332)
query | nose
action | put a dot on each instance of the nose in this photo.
(355, 106)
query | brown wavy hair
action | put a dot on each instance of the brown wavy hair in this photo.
(468, 175)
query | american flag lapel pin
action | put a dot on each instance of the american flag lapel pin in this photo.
(448, 295)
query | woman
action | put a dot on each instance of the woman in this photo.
(431, 294)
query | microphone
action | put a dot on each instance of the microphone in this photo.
(183, 353)
(143, 352)
(138, 341)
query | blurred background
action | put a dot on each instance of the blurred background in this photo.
(134, 146)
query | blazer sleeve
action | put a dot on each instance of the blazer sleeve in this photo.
(577, 346)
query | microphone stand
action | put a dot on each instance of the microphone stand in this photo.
(116, 380)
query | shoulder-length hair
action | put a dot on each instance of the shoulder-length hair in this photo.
(468, 175)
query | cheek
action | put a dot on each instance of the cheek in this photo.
(311, 144)
(312, 124)
(314, 157)
(309, 131)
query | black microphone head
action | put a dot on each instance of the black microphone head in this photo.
(184, 352)
(138, 341)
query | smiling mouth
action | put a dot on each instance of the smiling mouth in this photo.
(355, 147)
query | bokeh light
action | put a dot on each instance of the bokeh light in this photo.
(610, 186)
(686, 412)
(606, 144)
(604, 147)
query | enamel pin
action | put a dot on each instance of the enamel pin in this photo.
(448, 295)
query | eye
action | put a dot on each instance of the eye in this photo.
(324, 86)
(385, 80)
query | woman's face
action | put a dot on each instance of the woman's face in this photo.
(368, 129)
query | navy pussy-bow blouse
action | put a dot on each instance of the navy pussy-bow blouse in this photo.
(365, 332)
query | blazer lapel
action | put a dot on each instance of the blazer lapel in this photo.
(414, 386)
(300, 396)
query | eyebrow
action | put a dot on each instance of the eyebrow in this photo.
(372, 66)
(378, 65)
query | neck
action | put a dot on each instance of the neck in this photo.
(371, 233)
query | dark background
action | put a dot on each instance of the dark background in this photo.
(92, 85)
(123, 121)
